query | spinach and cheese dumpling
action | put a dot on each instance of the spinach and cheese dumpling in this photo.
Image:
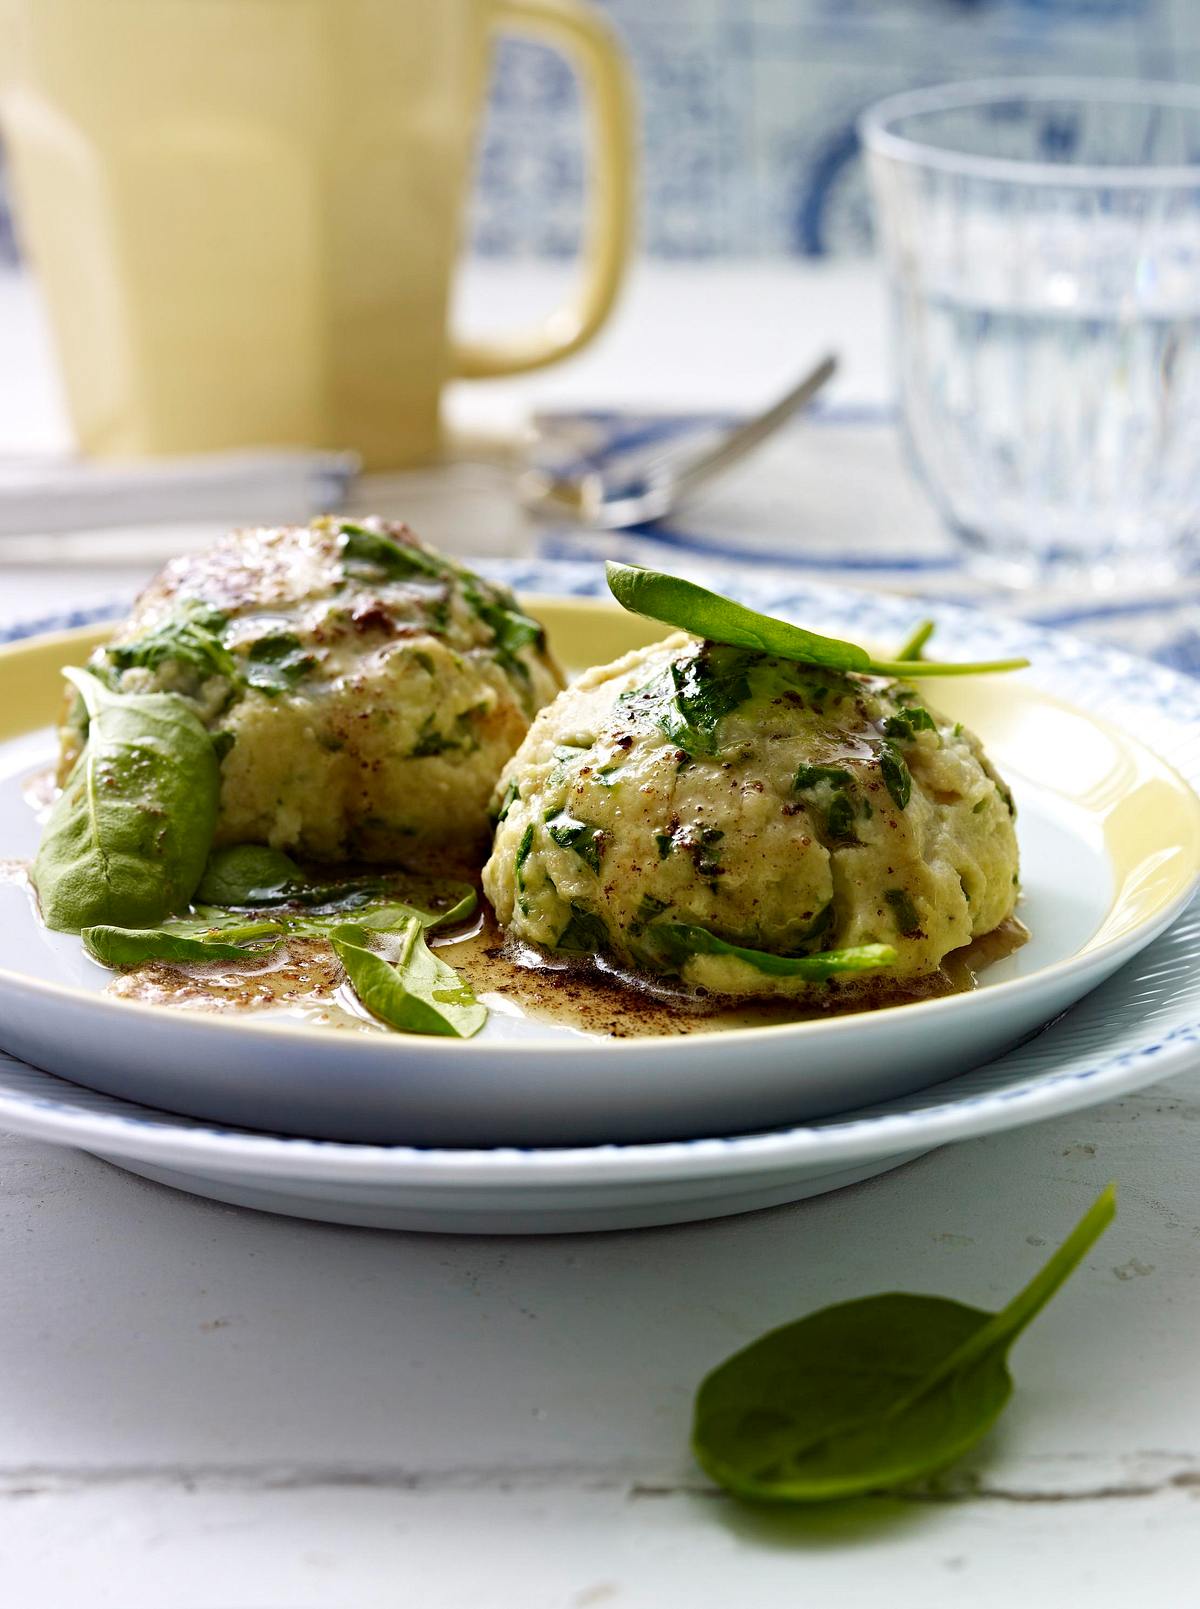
(692, 792)
(363, 691)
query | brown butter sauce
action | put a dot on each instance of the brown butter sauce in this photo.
(303, 981)
(596, 1000)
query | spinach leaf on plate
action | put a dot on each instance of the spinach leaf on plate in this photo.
(384, 915)
(124, 947)
(416, 993)
(870, 1395)
(253, 876)
(127, 839)
(216, 933)
(249, 874)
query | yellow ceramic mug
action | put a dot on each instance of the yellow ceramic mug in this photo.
(245, 213)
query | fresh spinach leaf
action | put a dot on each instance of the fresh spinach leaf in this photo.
(569, 833)
(417, 993)
(217, 933)
(381, 915)
(124, 947)
(230, 931)
(249, 874)
(914, 644)
(870, 1395)
(672, 944)
(896, 775)
(459, 910)
(128, 837)
(680, 603)
(254, 876)
(584, 934)
(229, 927)
(675, 602)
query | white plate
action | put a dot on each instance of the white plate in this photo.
(1143, 1026)
(1110, 845)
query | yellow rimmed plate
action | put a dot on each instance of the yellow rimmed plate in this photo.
(1110, 838)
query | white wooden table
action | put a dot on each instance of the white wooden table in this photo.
(206, 1408)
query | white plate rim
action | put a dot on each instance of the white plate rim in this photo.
(166, 1139)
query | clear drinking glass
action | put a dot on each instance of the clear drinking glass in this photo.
(1043, 243)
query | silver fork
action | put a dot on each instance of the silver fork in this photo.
(664, 479)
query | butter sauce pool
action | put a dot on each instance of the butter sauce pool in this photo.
(303, 982)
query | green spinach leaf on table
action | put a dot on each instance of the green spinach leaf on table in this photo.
(870, 1395)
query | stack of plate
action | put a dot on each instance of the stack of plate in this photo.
(535, 1128)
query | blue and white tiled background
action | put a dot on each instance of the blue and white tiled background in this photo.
(749, 107)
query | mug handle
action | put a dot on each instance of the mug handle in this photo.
(588, 42)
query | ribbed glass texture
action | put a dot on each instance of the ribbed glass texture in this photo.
(1043, 245)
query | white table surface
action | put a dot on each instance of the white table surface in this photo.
(208, 1408)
